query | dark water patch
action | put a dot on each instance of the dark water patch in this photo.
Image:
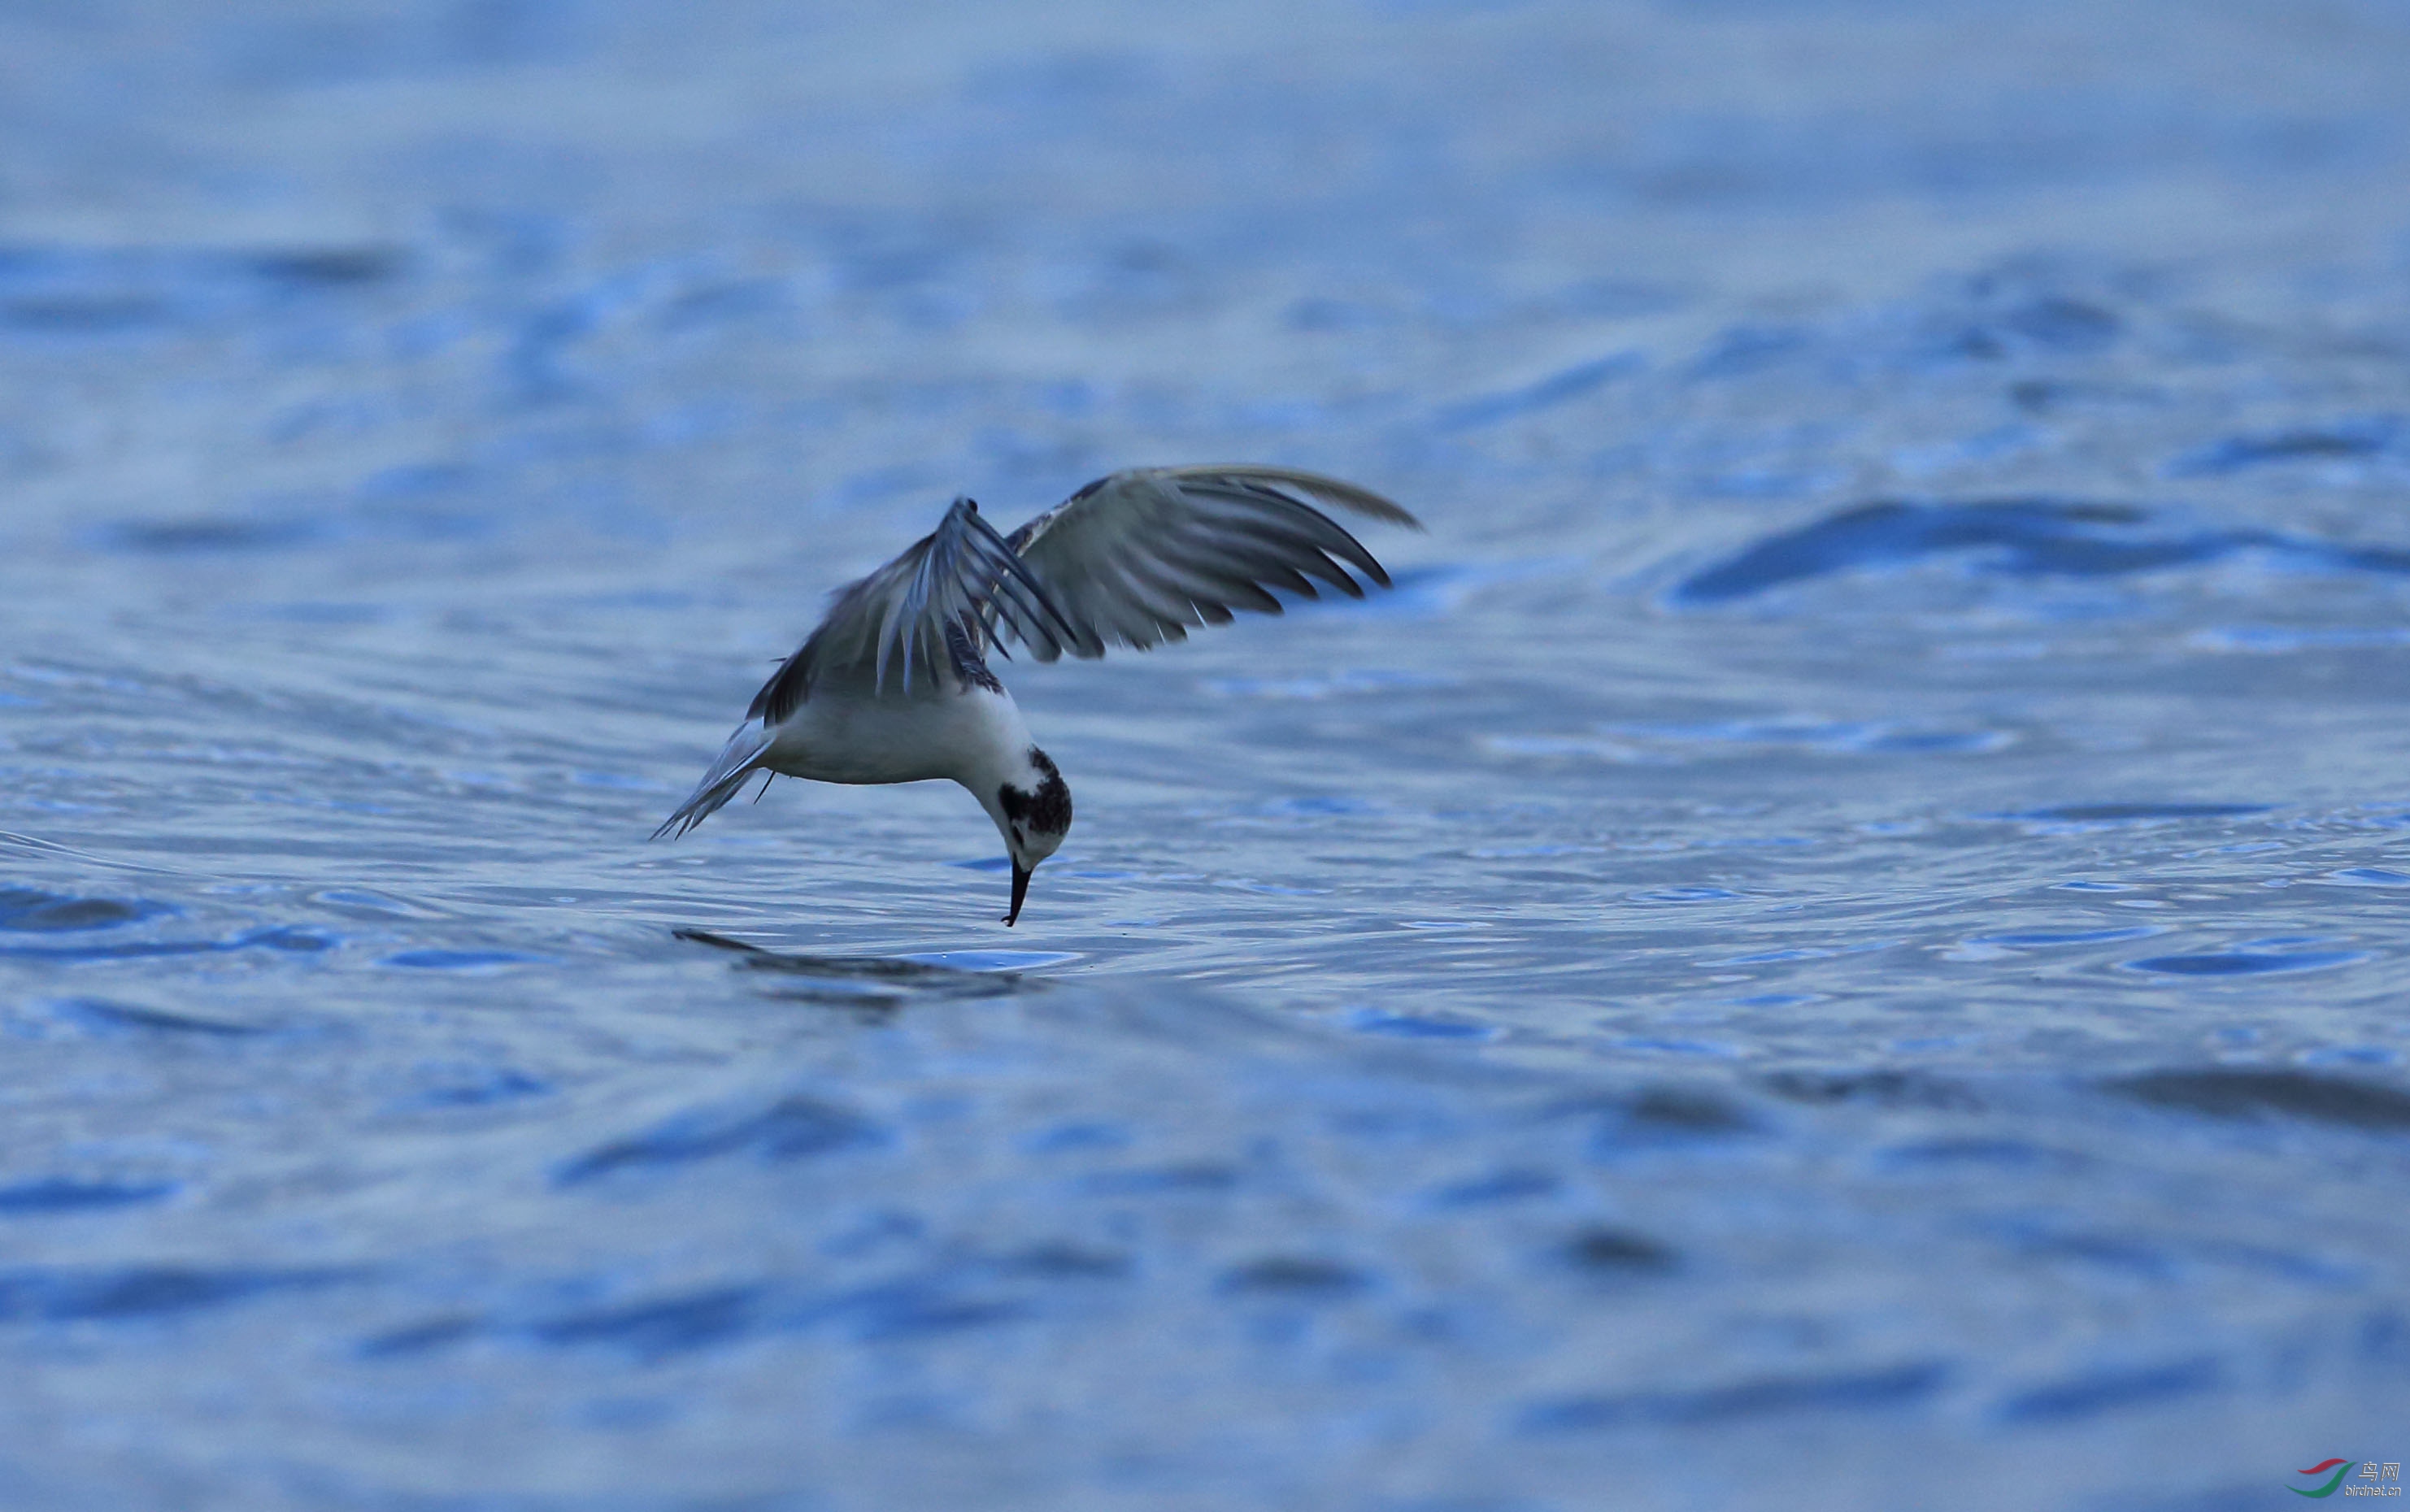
(1685, 895)
(2139, 1258)
(916, 1306)
(1415, 1027)
(60, 1194)
(2006, 322)
(415, 479)
(2058, 324)
(1618, 1252)
(1147, 1181)
(1511, 1185)
(1077, 1134)
(293, 942)
(462, 961)
(1689, 1111)
(127, 1017)
(867, 1003)
(2032, 536)
(33, 910)
(2014, 538)
(2099, 1393)
(2051, 396)
(1977, 1154)
(1307, 1278)
(1747, 350)
(1561, 387)
(2362, 436)
(2245, 962)
(533, 367)
(84, 314)
(328, 268)
(1066, 1261)
(658, 1326)
(793, 1127)
(740, 301)
(2382, 1334)
(421, 1338)
(1938, 741)
(1877, 1390)
(2235, 1092)
(1659, 1117)
(61, 1294)
(1883, 1088)
(94, 294)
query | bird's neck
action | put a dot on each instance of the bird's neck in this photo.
(996, 742)
(995, 748)
(1013, 780)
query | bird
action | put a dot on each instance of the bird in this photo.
(894, 684)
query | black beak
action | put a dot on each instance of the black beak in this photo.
(1020, 891)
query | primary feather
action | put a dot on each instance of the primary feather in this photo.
(895, 619)
(1141, 556)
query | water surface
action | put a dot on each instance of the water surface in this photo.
(1835, 943)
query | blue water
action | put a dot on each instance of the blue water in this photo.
(1837, 942)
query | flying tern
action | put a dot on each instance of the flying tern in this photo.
(894, 684)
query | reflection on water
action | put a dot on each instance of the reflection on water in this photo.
(1842, 920)
(2021, 537)
(888, 981)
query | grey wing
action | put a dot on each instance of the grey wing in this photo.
(1140, 557)
(894, 624)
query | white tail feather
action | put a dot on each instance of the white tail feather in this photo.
(738, 760)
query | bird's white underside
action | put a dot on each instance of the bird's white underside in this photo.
(973, 736)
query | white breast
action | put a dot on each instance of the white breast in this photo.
(845, 737)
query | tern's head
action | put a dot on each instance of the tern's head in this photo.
(1032, 807)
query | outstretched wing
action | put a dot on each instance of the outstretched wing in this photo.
(1138, 557)
(893, 623)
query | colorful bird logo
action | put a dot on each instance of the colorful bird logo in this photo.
(2341, 1469)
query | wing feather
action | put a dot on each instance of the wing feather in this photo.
(891, 625)
(1135, 559)
(1140, 557)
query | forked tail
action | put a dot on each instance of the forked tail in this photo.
(740, 759)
